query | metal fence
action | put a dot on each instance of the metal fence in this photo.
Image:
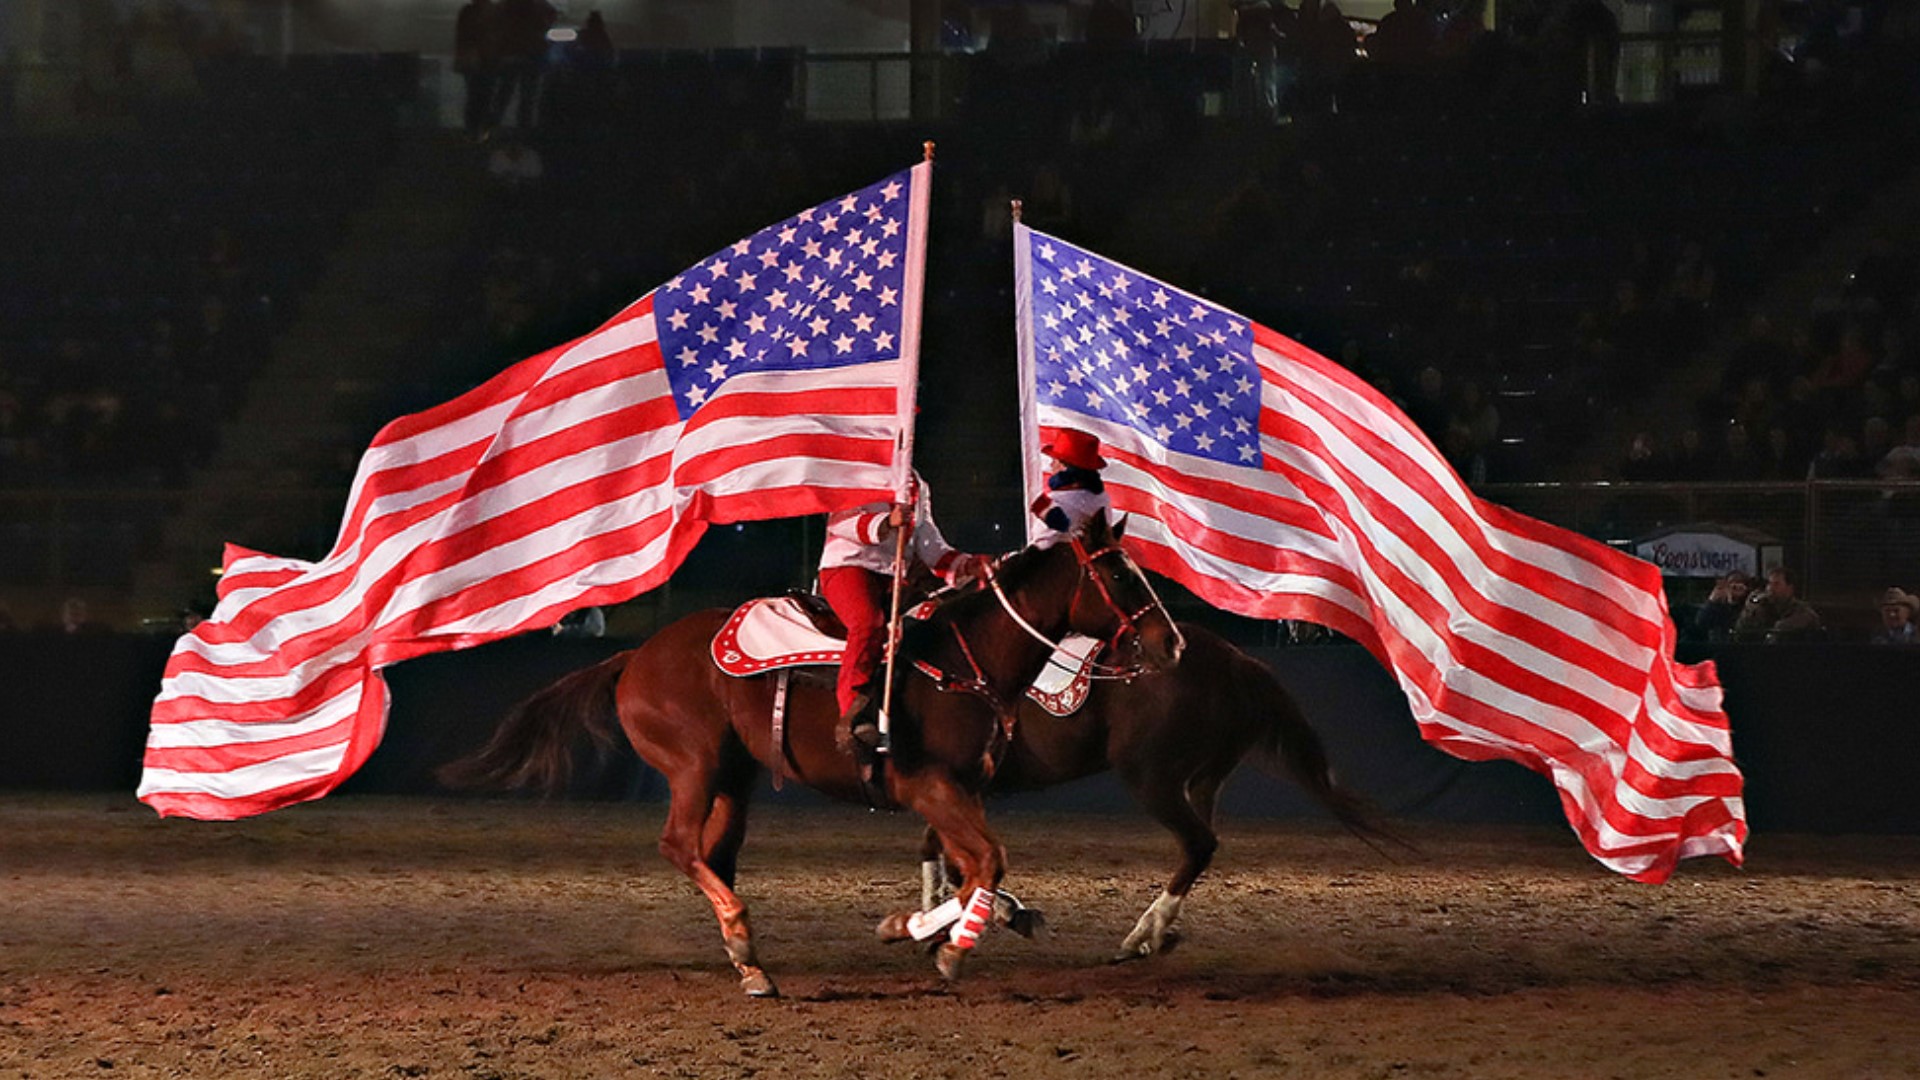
(1847, 539)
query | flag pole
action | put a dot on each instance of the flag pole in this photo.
(905, 485)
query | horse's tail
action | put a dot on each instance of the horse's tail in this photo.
(533, 746)
(1285, 737)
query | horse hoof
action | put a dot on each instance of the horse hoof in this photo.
(893, 928)
(758, 984)
(950, 960)
(1026, 922)
(1129, 951)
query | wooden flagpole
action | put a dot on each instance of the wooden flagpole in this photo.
(900, 533)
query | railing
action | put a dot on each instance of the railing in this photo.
(1848, 539)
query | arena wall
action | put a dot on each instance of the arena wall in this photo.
(1825, 733)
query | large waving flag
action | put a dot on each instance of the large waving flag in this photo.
(772, 379)
(1274, 483)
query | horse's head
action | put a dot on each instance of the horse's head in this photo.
(1115, 603)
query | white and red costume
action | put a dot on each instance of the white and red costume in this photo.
(856, 577)
(1074, 492)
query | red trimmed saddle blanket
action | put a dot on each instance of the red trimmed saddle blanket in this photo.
(790, 631)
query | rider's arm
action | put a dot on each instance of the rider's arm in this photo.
(862, 526)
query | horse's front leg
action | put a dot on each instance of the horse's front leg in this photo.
(937, 882)
(960, 819)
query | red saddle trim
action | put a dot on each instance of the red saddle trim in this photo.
(775, 619)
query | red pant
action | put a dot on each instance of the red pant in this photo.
(859, 596)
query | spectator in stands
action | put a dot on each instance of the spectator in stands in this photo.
(1846, 365)
(1903, 461)
(1262, 31)
(1692, 460)
(1403, 39)
(515, 165)
(1714, 620)
(594, 48)
(1736, 460)
(1462, 31)
(1687, 299)
(1760, 354)
(1111, 26)
(1633, 329)
(1897, 608)
(1839, 456)
(1780, 459)
(1775, 614)
(1428, 408)
(1475, 411)
(1876, 442)
(476, 57)
(1466, 456)
(1576, 47)
(523, 26)
(1326, 47)
(1644, 460)
(77, 619)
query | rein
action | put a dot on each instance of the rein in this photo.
(980, 686)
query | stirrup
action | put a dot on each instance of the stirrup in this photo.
(863, 739)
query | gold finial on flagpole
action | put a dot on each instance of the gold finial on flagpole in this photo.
(926, 148)
(1016, 211)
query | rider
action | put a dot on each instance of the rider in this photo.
(856, 577)
(1074, 493)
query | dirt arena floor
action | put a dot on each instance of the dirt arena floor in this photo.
(381, 938)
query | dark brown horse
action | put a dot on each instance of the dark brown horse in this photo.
(1174, 737)
(710, 734)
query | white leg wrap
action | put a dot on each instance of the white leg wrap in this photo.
(933, 878)
(924, 924)
(1151, 931)
(966, 932)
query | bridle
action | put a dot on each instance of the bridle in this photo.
(980, 686)
(1128, 621)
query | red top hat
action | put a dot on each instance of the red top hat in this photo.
(1075, 448)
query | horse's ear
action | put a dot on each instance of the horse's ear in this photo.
(1120, 527)
(1097, 529)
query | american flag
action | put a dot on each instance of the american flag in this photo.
(772, 379)
(1273, 483)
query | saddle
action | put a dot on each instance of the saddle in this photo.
(798, 629)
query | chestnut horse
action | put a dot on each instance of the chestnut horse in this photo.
(1174, 737)
(710, 734)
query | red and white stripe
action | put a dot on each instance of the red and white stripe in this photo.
(1512, 638)
(567, 480)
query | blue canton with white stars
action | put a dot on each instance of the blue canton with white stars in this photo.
(1112, 343)
(821, 289)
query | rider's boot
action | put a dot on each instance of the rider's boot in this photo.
(862, 720)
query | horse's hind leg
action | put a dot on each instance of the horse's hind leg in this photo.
(726, 828)
(683, 842)
(933, 869)
(1186, 809)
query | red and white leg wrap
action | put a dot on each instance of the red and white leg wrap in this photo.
(966, 932)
